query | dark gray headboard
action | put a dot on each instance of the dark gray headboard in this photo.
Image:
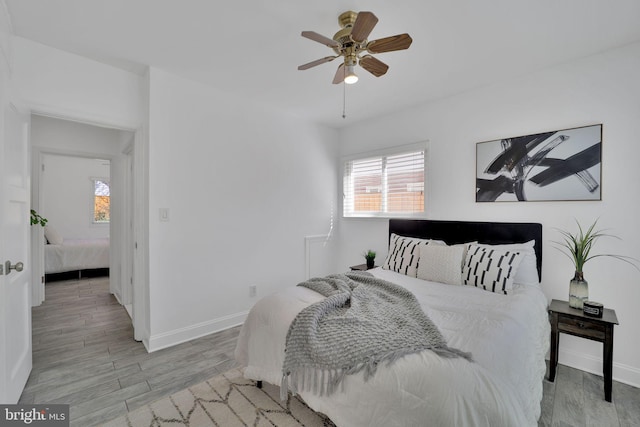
(453, 232)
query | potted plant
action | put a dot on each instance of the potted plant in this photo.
(578, 248)
(370, 256)
(37, 219)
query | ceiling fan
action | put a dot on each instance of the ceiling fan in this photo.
(351, 44)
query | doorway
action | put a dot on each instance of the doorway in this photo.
(84, 146)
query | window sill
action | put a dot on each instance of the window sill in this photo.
(384, 217)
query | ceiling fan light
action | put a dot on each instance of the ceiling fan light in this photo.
(350, 76)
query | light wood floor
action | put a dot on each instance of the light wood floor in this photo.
(84, 355)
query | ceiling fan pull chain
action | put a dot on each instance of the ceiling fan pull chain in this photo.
(344, 100)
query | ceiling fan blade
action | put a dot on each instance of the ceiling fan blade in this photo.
(373, 65)
(312, 35)
(363, 25)
(339, 77)
(388, 44)
(316, 62)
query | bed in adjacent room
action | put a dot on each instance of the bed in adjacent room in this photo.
(503, 327)
(66, 258)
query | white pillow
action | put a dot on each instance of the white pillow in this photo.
(465, 247)
(52, 235)
(527, 273)
(441, 263)
(490, 269)
(427, 241)
(404, 253)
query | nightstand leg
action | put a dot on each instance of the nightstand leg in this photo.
(555, 337)
(608, 363)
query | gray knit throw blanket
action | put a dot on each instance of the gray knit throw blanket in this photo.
(362, 322)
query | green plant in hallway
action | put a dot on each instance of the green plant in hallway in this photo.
(37, 219)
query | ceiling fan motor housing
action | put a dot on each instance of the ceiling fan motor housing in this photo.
(348, 47)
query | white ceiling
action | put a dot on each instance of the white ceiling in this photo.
(253, 47)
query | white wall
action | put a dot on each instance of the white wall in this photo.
(599, 89)
(54, 82)
(55, 135)
(243, 186)
(68, 195)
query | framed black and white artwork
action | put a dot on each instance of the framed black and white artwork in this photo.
(549, 166)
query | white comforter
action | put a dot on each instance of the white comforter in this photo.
(76, 254)
(508, 336)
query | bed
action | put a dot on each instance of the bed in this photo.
(77, 257)
(507, 336)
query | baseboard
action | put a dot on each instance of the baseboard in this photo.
(143, 338)
(117, 295)
(621, 372)
(177, 336)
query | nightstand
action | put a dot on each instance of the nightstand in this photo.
(361, 267)
(573, 321)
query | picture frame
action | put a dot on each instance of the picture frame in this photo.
(560, 165)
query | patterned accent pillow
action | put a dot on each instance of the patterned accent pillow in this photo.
(403, 255)
(527, 273)
(440, 263)
(490, 269)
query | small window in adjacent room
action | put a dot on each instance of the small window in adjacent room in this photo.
(385, 185)
(101, 201)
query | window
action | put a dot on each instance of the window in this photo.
(101, 200)
(389, 185)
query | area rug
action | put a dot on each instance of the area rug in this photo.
(227, 400)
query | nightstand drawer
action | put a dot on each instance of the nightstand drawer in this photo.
(581, 327)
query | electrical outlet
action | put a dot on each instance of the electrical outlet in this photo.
(164, 214)
(253, 290)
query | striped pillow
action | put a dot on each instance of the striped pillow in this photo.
(490, 269)
(404, 254)
(528, 269)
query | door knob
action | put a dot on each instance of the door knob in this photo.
(17, 267)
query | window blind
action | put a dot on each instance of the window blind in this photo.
(391, 185)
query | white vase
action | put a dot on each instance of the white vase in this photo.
(578, 291)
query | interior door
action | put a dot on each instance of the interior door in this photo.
(15, 287)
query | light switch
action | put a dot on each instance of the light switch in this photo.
(164, 214)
